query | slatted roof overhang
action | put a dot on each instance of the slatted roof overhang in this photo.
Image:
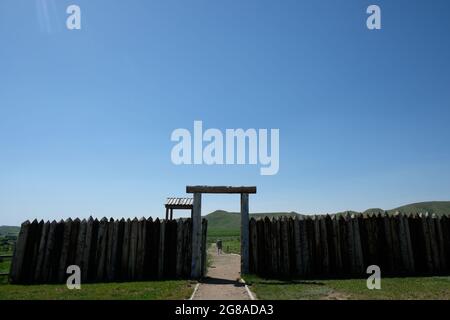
(179, 203)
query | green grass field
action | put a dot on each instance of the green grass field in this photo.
(231, 242)
(151, 290)
(420, 288)
(5, 265)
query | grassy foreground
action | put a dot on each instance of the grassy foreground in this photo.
(420, 288)
(151, 290)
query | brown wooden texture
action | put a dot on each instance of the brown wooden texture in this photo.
(345, 245)
(106, 250)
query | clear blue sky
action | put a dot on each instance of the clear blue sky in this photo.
(86, 116)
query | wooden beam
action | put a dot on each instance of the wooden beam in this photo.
(219, 189)
(244, 234)
(196, 259)
(179, 206)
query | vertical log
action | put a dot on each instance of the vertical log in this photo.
(298, 251)
(268, 244)
(285, 263)
(102, 239)
(38, 275)
(204, 246)
(179, 268)
(125, 250)
(88, 249)
(45, 277)
(141, 248)
(109, 264)
(405, 244)
(337, 245)
(64, 250)
(81, 246)
(389, 243)
(434, 244)
(318, 250)
(133, 249)
(324, 246)
(117, 250)
(428, 250)
(253, 246)
(19, 253)
(441, 243)
(244, 234)
(359, 260)
(162, 248)
(196, 236)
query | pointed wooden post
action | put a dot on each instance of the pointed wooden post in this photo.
(196, 260)
(244, 234)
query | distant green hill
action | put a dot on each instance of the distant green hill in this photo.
(436, 207)
(9, 231)
(223, 222)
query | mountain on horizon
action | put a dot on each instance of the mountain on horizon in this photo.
(224, 220)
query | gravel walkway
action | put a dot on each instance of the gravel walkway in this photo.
(222, 280)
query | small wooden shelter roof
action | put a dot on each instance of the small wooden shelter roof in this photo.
(179, 203)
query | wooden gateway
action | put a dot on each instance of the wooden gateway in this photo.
(178, 203)
(197, 223)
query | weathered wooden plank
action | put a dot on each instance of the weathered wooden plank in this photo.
(405, 244)
(389, 249)
(253, 246)
(196, 236)
(337, 245)
(41, 254)
(117, 248)
(150, 257)
(179, 262)
(155, 247)
(187, 247)
(19, 253)
(102, 239)
(204, 246)
(434, 245)
(133, 249)
(441, 243)
(125, 251)
(244, 233)
(81, 246)
(219, 189)
(317, 260)
(44, 276)
(71, 256)
(89, 250)
(324, 246)
(109, 264)
(141, 248)
(284, 246)
(161, 250)
(428, 250)
(64, 250)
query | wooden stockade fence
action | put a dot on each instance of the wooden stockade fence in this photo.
(105, 250)
(345, 245)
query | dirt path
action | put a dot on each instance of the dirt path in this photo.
(221, 282)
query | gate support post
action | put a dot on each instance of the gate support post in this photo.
(196, 236)
(244, 234)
